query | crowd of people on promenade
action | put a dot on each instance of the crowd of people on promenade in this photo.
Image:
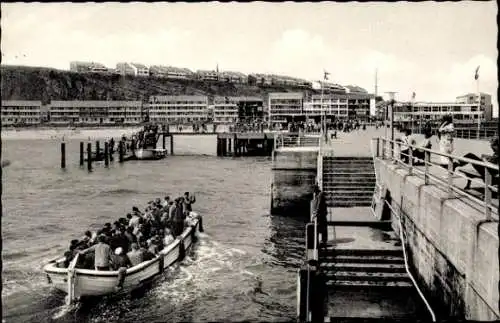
(133, 239)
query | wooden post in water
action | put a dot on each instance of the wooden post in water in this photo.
(97, 149)
(81, 153)
(89, 156)
(224, 147)
(264, 145)
(236, 146)
(120, 151)
(163, 140)
(218, 146)
(171, 144)
(63, 155)
(106, 154)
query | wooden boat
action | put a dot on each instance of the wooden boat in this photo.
(86, 282)
(150, 153)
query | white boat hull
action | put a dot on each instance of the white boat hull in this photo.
(145, 154)
(99, 283)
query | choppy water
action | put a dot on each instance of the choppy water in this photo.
(243, 268)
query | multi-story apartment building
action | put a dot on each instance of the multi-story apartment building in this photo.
(87, 67)
(230, 109)
(358, 105)
(22, 113)
(170, 72)
(462, 113)
(224, 110)
(472, 98)
(134, 69)
(333, 107)
(285, 107)
(95, 112)
(177, 108)
(205, 75)
(233, 77)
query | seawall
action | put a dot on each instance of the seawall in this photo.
(294, 174)
(453, 256)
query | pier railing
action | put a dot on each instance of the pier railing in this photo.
(423, 163)
(288, 140)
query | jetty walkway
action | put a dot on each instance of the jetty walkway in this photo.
(405, 242)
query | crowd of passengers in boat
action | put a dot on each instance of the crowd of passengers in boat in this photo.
(137, 238)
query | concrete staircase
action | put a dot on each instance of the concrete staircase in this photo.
(348, 181)
(365, 268)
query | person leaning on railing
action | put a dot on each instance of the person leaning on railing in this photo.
(486, 158)
(419, 154)
(321, 212)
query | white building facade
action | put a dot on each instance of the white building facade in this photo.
(283, 107)
(177, 108)
(23, 113)
(95, 112)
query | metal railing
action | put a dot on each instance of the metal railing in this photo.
(287, 141)
(412, 161)
(467, 133)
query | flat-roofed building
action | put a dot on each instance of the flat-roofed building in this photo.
(261, 79)
(177, 108)
(135, 69)
(358, 105)
(225, 110)
(87, 67)
(21, 113)
(334, 107)
(472, 98)
(170, 72)
(462, 113)
(95, 112)
(285, 106)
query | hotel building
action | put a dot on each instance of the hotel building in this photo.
(486, 106)
(333, 106)
(231, 109)
(177, 109)
(21, 113)
(462, 113)
(170, 72)
(95, 112)
(87, 67)
(285, 107)
(134, 69)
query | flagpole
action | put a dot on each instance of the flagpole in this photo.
(478, 108)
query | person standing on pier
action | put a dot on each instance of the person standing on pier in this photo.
(320, 212)
(445, 132)
(188, 201)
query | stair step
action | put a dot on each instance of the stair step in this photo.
(355, 276)
(384, 319)
(347, 198)
(365, 267)
(370, 284)
(349, 204)
(348, 174)
(358, 192)
(346, 158)
(343, 180)
(349, 188)
(350, 259)
(363, 252)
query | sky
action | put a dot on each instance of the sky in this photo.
(428, 48)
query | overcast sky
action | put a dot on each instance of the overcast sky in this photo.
(430, 48)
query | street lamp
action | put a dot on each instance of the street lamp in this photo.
(391, 112)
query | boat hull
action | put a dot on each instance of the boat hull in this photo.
(150, 154)
(101, 283)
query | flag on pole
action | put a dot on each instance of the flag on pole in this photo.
(413, 96)
(326, 75)
(476, 76)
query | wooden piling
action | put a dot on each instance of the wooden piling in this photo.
(264, 145)
(81, 153)
(63, 155)
(120, 151)
(236, 146)
(224, 147)
(163, 140)
(171, 144)
(89, 156)
(106, 154)
(97, 148)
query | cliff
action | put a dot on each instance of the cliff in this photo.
(45, 84)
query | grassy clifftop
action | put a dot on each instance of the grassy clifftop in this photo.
(36, 83)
